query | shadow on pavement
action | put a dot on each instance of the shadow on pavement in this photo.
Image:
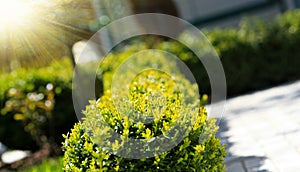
(235, 163)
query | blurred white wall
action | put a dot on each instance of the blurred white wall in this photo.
(202, 11)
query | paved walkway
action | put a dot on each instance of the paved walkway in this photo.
(262, 130)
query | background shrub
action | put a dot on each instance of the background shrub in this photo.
(259, 54)
(36, 106)
(88, 146)
(255, 56)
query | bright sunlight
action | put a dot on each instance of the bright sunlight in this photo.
(32, 31)
(13, 12)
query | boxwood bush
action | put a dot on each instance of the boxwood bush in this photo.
(90, 145)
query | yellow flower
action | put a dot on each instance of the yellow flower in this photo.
(19, 117)
(148, 134)
(199, 148)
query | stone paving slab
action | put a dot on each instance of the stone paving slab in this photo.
(262, 130)
(235, 167)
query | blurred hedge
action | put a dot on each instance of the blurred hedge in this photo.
(36, 106)
(255, 56)
(259, 54)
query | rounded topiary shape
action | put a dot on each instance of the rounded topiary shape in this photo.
(90, 147)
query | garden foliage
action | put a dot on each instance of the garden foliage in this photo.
(254, 56)
(258, 54)
(36, 106)
(169, 114)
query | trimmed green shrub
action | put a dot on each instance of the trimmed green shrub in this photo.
(36, 106)
(90, 145)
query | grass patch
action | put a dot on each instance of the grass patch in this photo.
(48, 165)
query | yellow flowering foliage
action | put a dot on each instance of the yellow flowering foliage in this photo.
(152, 95)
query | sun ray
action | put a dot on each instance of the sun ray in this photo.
(43, 31)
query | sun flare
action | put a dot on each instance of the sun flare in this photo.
(13, 12)
(33, 33)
